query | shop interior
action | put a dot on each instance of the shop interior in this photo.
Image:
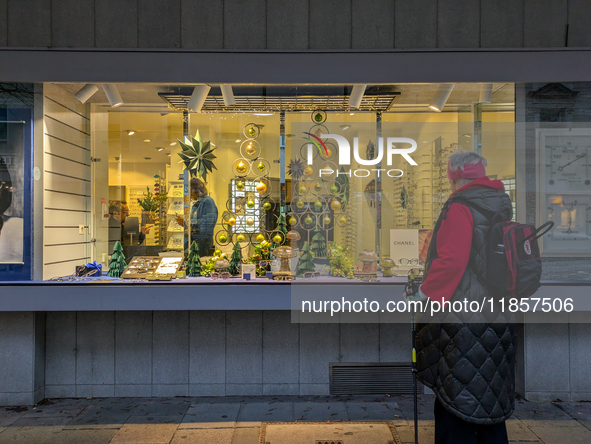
(269, 214)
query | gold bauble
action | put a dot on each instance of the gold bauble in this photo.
(241, 167)
(293, 221)
(250, 203)
(300, 204)
(326, 220)
(343, 219)
(326, 153)
(232, 221)
(240, 185)
(303, 189)
(261, 187)
(318, 205)
(250, 221)
(277, 238)
(308, 220)
(335, 205)
(240, 238)
(261, 166)
(308, 171)
(260, 238)
(250, 149)
(251, 131)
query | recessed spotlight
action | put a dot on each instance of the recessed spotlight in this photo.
(238, 141)
(147, 140)
(345, 127)
(169, 154)
(159, 148)
(147, 158)
(130, 132)
(263, 114)
(467, 135)
(351, 114)
(173, 144)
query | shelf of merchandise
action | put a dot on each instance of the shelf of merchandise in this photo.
(174, 236)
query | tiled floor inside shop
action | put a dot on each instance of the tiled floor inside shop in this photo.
(273, 420)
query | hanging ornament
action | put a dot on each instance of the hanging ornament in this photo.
(334, 189)
(303, 189)
(250, 149)
(250, 221)
(326, 220)
(240, 238)
(260, 238)
(335, 205)
(277, 238)
(343, 219)
(300, 204)
(317, 186)
(261, 166)
(240, 185)
(308, 220)
(318, 116)
(318, 204)
(198, 156)
(308, 171)
(261, 187)
(250, 203)
(267, 206)
(252, 131)
(232, 221)
(223, 238)
(241, 167)
(292, 220)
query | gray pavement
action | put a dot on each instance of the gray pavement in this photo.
(273, 420)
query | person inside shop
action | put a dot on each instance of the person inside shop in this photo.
(11, 239)
(204, 216)
(467, 360)
(117, 229)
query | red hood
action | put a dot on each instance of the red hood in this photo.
(483, 182)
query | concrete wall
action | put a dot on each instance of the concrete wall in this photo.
(205, 353)
(298, 24)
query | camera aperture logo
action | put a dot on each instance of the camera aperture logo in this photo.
(344, 150)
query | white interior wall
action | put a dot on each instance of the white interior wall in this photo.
(66, 182)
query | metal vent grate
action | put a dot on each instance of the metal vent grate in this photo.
(330, 441)
(370, 379)
(269, 100)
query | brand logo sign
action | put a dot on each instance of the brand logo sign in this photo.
(344, 149)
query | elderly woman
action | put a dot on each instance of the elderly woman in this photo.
(468, 360)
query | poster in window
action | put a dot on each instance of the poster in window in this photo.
(11, 191)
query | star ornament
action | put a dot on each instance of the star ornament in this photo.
(198, 156)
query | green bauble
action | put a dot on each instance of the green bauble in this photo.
(267, 206)
(318, 117)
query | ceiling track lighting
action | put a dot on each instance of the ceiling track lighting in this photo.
(228, 95)
(441, 96)
(485, 93)
(198, 98)
(113, 95)
(356, 95)
(86, 92)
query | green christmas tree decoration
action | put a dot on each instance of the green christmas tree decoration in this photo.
(281, 226)
(117, 264)
(194, 264)
(235, 260)
(306, 262)
(318, 246)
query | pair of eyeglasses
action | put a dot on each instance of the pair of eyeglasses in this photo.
(311, 274)
(223, 276)
(405, 261)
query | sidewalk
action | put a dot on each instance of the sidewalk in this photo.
(254, 420)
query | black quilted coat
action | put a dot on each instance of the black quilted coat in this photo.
(468, 359)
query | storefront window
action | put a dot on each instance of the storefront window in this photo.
(228, 186)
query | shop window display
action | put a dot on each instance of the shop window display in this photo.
(272, 169)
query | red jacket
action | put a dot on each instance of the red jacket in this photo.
(454, 240)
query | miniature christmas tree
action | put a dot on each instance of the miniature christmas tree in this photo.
(117, 264)
(282, 227)
(194, 264)
(306, 262)
(235, 259)
(318, 243)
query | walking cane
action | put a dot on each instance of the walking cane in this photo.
(414, 377)
(415, 279)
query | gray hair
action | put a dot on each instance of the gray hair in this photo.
(460, 159)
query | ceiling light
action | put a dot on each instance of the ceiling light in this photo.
(130, 132)
(173, 144)
(263, 114)
(238, 141)
(113, 95)
(169, 154)
(86, 92)
(356, 95)
(345, 127)
(159, 148)
(228, 95)
(146, 140)
(441, 96)
(485, 93)
(351, 114)
(198, 98)
(467, 135)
